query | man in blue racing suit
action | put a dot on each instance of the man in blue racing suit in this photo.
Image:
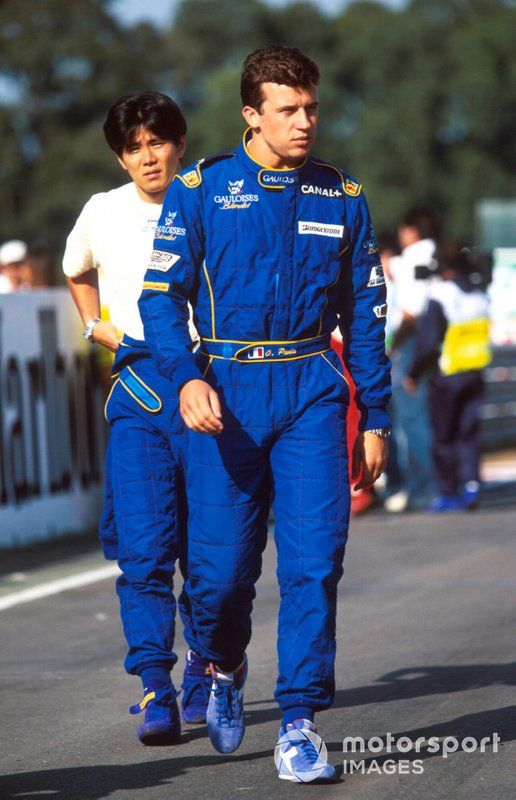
(273, 249)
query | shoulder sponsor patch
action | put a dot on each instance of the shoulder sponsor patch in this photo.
(156, 286)
(192, 178)
(376, 278)
(321, 229)
(352, 188)
(163, 261)
(380, 311)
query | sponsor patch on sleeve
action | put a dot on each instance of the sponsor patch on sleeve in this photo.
(380, 311)
(376, 278)
(156, 286)
(163, 261)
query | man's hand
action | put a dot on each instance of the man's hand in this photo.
(200, 407)
(370, 454)
(106, 334)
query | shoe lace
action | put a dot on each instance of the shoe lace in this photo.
(307, 750)
(196, 690)
(227, 704)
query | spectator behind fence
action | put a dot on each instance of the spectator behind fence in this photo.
(417, 234)
(453, 346)
(14, 267)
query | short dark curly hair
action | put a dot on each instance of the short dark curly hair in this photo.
(276, 63)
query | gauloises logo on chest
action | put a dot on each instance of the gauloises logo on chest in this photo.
(236, 197)
(169, 231)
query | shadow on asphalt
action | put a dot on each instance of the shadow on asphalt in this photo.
(407, 683)
(480, 725)
(97, 782)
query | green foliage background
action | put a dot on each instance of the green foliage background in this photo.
(417, 103)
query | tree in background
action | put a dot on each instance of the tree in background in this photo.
(417, 102)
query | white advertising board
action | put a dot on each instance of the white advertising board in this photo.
(52, 431)
(502, 295)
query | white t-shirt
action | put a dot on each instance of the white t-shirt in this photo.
(410, 295)
(114, 233)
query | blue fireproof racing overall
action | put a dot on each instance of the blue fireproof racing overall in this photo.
(143, 525)
(271, 261)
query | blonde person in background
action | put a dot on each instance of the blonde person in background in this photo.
(144, 520)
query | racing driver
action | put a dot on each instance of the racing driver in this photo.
(273, 248)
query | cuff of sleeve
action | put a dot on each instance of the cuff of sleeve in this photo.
(184, 371)
(374, 418)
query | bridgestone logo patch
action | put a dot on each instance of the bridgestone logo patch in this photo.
(320, 229)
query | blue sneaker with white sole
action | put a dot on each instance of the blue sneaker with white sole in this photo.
(196, 688)
(162, 724)
(225, 716)
(301, 755)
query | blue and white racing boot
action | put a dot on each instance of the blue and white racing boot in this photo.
(301, 755)
(196, 687)
(225, 717)
(162, 724)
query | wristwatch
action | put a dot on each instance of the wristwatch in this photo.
(383, 433)
(88, 330)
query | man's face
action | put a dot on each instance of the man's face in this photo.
(286, 123)
(407, 235)
(151, 163)
(16, 273)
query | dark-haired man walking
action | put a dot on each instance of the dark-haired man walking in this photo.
(145, 510)
(275, 249)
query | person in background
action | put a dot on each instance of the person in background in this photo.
(144, 515)
(40, 267)
(14, 272)
(453, 346)
(392, 482)
(417, 235)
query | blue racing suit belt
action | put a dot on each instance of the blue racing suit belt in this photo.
(265, 351)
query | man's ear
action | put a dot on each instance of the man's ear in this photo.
(252, 117)
(118, 158)
(181, 147)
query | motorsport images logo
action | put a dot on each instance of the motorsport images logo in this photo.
(382, 747)
(235, 197)
(286, 756)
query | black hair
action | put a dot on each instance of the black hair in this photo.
(388, 241)
(425, 220)
(153, 110)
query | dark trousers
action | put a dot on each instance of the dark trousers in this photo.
(454, 402)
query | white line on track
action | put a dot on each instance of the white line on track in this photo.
(57, 586)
